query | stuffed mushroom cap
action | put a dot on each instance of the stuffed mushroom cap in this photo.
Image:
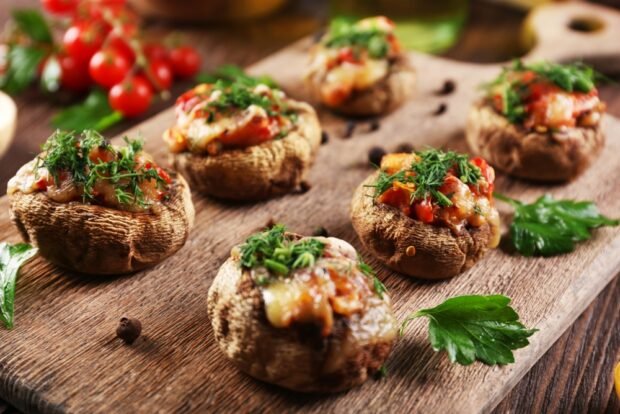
(251, 143)
(419, 237)
(322, 328)
(106, 234)
(532, 125)
(360, 69)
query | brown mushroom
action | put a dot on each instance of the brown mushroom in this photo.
(259, 171)
(411, 247)
(100, 240)
(300, 356)
(549, 156)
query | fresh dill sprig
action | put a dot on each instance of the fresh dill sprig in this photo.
(345, 34)
(67, 152)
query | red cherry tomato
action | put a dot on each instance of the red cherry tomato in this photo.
(108, 67)
(185, 61)
(131, 97)
(159, 75)
(74, 73)
(155, 51)
(59, 6)
(424, 211)
(121, 46)
(83, 39)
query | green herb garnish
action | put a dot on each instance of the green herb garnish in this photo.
(377, 284)
(274, 250)
(342, 33)
(548, 227)
(94, 113)
(475, 327)
(68, 152)
(229, 74)
(12, 257)
(429, 174)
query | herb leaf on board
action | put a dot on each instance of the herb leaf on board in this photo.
(94, 113)
(12, 257)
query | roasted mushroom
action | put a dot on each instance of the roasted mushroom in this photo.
(98, 209)
(539, 121)
(243, 142)
(359, 69)
(301, 312)
(427, 214)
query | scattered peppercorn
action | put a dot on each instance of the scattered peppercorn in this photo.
(404, 147)
(324, 138)
(304, 187)
(128, 329)
(320, 232)
(270, 223)
(440, 109)
(349, 129)
(374, 125)
(448, 87)
(375, 154)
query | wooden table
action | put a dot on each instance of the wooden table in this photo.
(576, 373)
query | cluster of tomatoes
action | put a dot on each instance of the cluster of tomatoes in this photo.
(101, 46)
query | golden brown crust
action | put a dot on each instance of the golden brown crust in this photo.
(298, 358)
(99, 240)
(387, 233)
(258, 172)
(384, 96)
(548, 157)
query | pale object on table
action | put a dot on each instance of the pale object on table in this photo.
(8, 118)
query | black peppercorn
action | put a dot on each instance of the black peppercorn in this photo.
(448, 87)
(374, 125)
(320, 232)
(375, 155)
(304, 187)
(404, 147)
(440, 109)
(324, 138)
(128, 329)
(349, 129)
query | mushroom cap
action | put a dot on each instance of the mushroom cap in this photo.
(296, 357)
(99, 240)
(438, 253)
(382, 97)
(552, 156)
(257, 172)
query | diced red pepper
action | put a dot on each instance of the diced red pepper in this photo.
(255, 132)
(424, 211)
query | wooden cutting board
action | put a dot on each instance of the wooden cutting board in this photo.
(63, 355)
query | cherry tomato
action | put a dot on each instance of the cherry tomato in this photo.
(74, 73)
(121, 46)
(83, 39)
(159, 75)
(59, 6)
(155, 51)
(131, 97)
(185, 61)
(108, 67)
(97, 8)
(424, 211)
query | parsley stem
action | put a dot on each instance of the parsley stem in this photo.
(275, 266)
(408, 319)
(506, 199)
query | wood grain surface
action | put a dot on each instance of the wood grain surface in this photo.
(62, 317)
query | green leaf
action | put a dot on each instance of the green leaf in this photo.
(22, 70)
(12, 257)
(229, 74)
(50, 78)
(94, 113)
(33, 24)
(549, 227)
(475, 327)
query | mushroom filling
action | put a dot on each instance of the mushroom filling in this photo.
(353, 57)
(547, 96)
(309, 280)
(89, 169)
(214, 117)
(440, 188)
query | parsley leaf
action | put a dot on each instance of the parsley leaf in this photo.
(12, 257)
(33, 24)
(94, 113)
(343, 33)
(22, 70)
(549, 227)
(475, 327)
(229, 74)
